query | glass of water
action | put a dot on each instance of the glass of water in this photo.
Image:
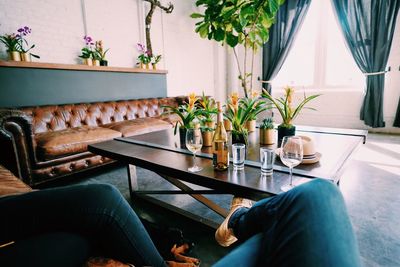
(238, 156)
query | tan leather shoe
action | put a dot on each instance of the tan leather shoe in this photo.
(224, 235)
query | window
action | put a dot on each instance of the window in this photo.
(319, 57)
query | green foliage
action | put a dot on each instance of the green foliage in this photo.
(253, 107)
(233, 22)
(207, 108)
(86, 52)
(284, 105)
(12, 42)
(267, 123)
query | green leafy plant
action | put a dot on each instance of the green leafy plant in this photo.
(254, 106)
(87, 50)
(22, 33)
(238, 22)
(155, 59)
(267, 123)
(206, 129)
(99, 53)
(12, 42)
(284, 105)
(187, 113)
(207, 108)
(144, 56)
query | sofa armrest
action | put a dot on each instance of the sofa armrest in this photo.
(16, 137)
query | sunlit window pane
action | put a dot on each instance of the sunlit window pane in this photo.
(298, 69)
(341, 69)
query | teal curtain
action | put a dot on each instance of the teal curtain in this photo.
(282, 34)
(368, 27)
(397, 118)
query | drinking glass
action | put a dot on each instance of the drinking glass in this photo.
(194, 142)
(291, 155)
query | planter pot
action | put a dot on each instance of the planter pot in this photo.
(154, 66)
(182, 137)
(88, 61)
(96, 62)
(103, 63)
(284, 131)
(267, 136)
(26, 57)
(238, 137)
(210, 124)
(227, 125)
(207, 138)
(14, 55)
(147, 66)
(251, 125)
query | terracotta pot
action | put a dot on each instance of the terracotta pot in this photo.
(207, 138)
(26, 57)
(210, 124)
(154, 66)
(267, 136)
(227, 125)
(88, 61)
(284, 131)
(251, 125)
(96, 62)
(14, 55)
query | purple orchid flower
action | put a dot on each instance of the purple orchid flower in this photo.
(141, 48)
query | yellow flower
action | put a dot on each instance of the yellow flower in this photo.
(234, 99)
(254, 94)
(192, 100)
(289, 91)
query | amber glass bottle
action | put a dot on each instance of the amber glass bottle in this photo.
(220, 144)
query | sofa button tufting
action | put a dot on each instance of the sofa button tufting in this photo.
(87, 163)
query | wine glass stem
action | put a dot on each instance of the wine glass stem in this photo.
(194, 160)
(291, 174)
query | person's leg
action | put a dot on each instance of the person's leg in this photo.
(307, 226)
(96, 211)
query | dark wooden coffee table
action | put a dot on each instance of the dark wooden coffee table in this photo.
(162, 153)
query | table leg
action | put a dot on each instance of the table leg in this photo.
(132, 179)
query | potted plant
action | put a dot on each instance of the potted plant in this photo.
(25, 54)
(187, 113)
(100, 54)
(154, 61)
(13, 44)
(286, 110)
(207, 134)
(255, 106)
(267, 132)
(87, 51)
(143, 58)
(207, 110)
(236, 23)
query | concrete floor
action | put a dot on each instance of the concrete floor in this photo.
(370, 185)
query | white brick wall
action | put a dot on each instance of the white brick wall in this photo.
(57, 27)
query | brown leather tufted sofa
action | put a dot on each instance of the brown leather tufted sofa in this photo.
(40, 144)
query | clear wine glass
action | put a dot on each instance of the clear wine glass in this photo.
(291, 155)
(194, 142)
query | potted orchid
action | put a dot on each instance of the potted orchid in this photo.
(100, 54)
(144, 58)
(24, 46)
(154, 60)
(87, 51)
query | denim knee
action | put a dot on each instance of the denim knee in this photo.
(316, 190)
(106, 193)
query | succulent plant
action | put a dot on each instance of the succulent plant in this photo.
(267, 123)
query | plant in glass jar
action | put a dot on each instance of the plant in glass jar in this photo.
(207, 109)
(285, 108)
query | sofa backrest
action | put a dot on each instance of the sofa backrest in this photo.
(61, 117)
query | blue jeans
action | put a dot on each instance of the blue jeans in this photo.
(307, 226)
(63, 226)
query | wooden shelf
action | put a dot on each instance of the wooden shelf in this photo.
(38, 65)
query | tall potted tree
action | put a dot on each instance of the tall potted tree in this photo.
(238, 22)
